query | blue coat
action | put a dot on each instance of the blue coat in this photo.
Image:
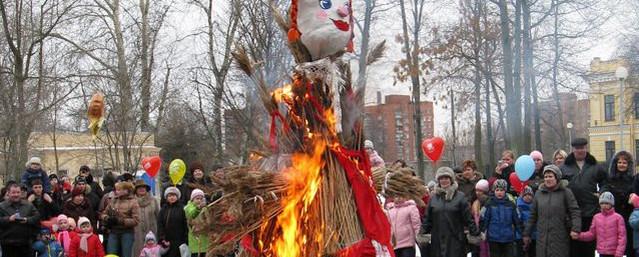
(50, 249)
(30, 175)
(524, 214)
(634, 224)
(500, 220)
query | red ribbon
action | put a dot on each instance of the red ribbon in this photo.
(273, 133)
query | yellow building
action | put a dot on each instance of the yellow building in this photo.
(607, 134)
(74, 149)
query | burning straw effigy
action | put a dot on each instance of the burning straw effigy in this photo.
(315, 196)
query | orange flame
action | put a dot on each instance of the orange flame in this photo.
(304, 180)
(283, 93)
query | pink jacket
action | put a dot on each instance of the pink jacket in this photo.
(405, 223)
(376, 160)
(609, 229)
(153, 251)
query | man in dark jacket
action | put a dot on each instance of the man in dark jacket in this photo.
(85, 172)
(34, 171)
(19, 221)
(585, 178)
(42, 201)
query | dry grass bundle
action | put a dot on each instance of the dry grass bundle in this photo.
(399, 183)
(250, 197)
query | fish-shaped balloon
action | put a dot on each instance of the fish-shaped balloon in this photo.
(95, 113)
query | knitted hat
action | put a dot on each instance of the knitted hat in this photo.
(527, 191)
(554, 169)
(607, 197)
(196, 193)
(83, 220)
(634, 200)
(77, 191)
(536, 155)
(369, 144)
(80, 179)
(149, 236)
(172, 190)
(53, 176)
(84, 168)
(35, 160)
(445, 172)
(61, 217)
(45, 231)
(482, 185)
(500, 184)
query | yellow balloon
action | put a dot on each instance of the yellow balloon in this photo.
(110, 255)
(177, 168)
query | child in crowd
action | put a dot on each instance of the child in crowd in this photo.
(63, 233)
(500, 221)
(87, 243)
(172, 227)
(45, 246)
(405, 225)
(634, 222)
(72, 225)
(608, 228)
(198, 244)
(524, 206)
(481, 196)
(151, 247)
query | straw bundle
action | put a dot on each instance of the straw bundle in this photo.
(399, 183)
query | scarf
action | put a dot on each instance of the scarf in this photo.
(65, 239)
(84, 245)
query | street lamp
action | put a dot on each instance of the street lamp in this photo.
(621, 73)
(569, 127)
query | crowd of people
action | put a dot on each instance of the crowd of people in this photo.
(49, 216)
(572, 206)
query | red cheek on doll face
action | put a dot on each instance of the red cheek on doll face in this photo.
(321, 15)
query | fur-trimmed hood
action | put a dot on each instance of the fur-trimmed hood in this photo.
(612, 169)
(447, 193)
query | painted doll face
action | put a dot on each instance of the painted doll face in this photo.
(325, 25)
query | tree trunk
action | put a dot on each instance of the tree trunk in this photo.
(555, 71)
(477, 44)
(361, 73)
(531, 84)
(513, 103)
(411, 57)
(145, 53)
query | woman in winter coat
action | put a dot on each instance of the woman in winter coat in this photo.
(468, 178)
(78, 206)
(621, 172)
(553, 205)
(608, 228)
(198, 244)
(149, 210)
(172, 227)
(121, 216)
(405, 223)
(198, 180)
(447, 216)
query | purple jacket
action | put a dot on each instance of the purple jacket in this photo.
(405, 223)
(609, 229)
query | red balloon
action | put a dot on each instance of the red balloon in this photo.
(152, 165)
(516, 183)
(433, 148)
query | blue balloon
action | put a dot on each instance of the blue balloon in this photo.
(524, 167)
(149, 181)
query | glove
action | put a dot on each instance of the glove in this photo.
(476, 240)
(423, 239)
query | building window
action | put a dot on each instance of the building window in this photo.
(635, 103)
(609, 106)
(610, 150)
